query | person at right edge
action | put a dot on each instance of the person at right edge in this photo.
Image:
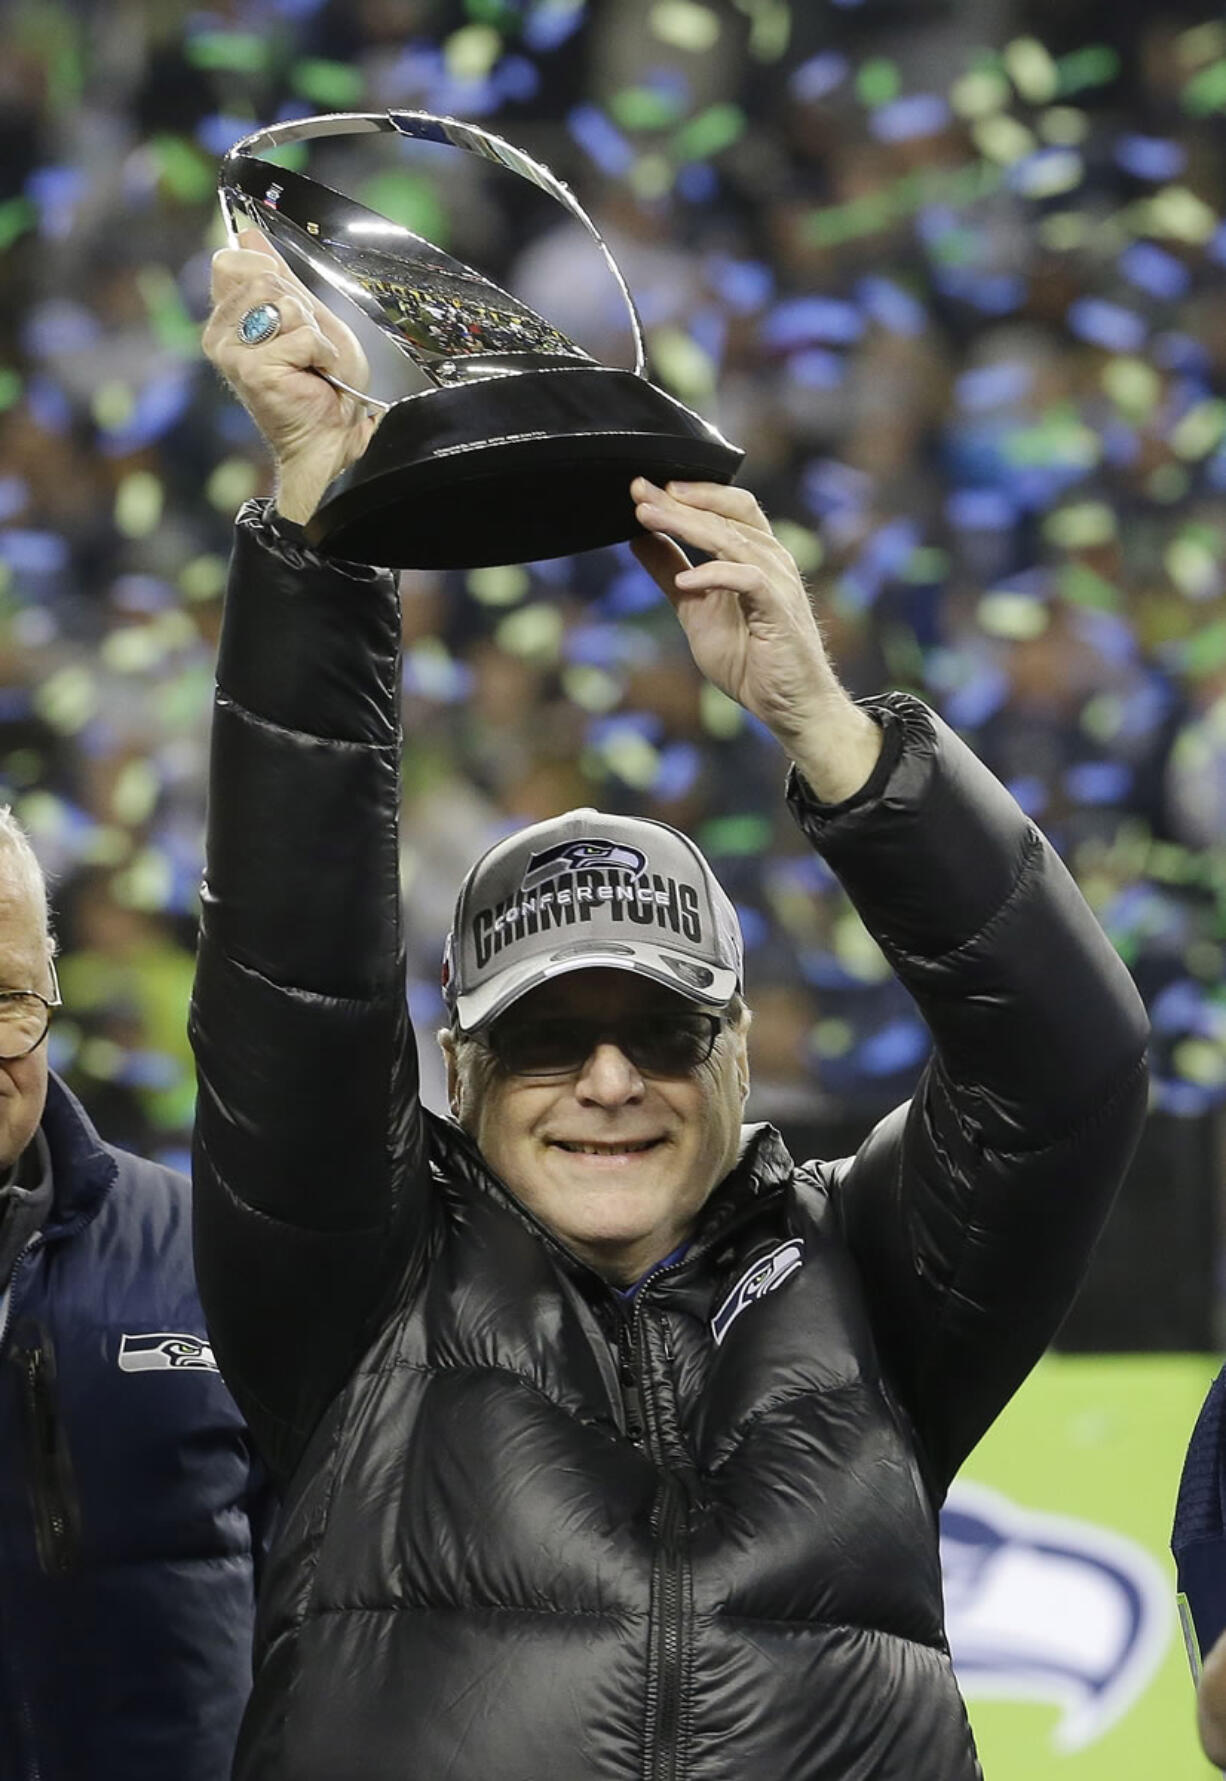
(612, 1440)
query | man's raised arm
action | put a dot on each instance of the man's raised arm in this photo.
(309, 1167)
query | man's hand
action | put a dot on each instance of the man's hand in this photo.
(1211, 1704)
(313, 431)
(751, 629)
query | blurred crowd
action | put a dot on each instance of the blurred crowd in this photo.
(952, 276)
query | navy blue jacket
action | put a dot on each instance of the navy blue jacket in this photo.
(130, 1501)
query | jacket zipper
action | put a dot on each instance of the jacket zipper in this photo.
(666, 1639)
(57, 1517)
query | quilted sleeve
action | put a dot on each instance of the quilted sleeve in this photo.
(310, 1178)
(973, 1211)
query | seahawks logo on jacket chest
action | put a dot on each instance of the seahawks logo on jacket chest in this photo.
(761, 1277)
(165, 1349)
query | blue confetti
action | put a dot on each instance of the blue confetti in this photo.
(900, 1045)
(1099, 782)
(1107, 633)
(980, 510)
(891, 307)
(551, 22)
(1154, 270)
(600, 139)
(1034, 175)
(1031, 793)
(992, 293)
(1183, 1100)
(60, 326)
(1215, 247)
(48, 405)
(1181, 1007)
(680, 765)
(156, 410)
(833, 487)
(1106, 324)
(981, 697)
(631, 592)
(605, 646)
(34, 553)
(603, 730)
(218, 133)
(1121, 443)
(1181, 352)
(743, 285)
(917, 114)
(802, 321)
(517, 79)
(755, 928)
(816, 369)
(698, 182)
(142, 593)
(818, 76)
(994, 386)
(14, 493)
(1150, 157)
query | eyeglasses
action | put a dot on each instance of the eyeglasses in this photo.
(656, 1044)
(25, 1017)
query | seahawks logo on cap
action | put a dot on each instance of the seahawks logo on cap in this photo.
(590, 850)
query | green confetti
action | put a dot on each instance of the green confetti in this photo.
(173, 324)
(235, 52)
(1167, 484)
(68, 698)
(980, 93)
(740, 836)
(230, 483)
(502, 13)
(1082, 586)
(133, 649)
(1012, 616)
(1094, 66)
(770, 27)
(138, 504)
(113, 405)
(1198, 431)
(203, 578)
(534, 633)
(472, 51)
(1064, 126)
(591, 688)
(10, 387)
(147, 883)
(1003, 140)
(857, 951)
(1194, 566)
(652, 177)
(833, 1038)
(1205, 93)
(878, 81)
(1032, 70)
(1181, 215)
(186, 173)
(684, 25)
(631, 757)
(410, 200)
(804, 545)
(1081, 526)
(16, 216)
(646, 108)
(337, 85)
(134, 793)
(708, 134)
(1205, 651)
(681, 364)
(1133, 385)
(502, 586)
(721, 716)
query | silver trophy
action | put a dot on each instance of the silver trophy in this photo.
(525, 447)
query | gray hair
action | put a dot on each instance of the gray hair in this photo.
(15, 847)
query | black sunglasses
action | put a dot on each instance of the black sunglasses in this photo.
(656, 1044)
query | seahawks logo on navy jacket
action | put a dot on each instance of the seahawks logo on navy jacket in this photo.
(763, 1276)
(163, 1349)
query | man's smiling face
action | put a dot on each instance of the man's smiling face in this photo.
(617, 1163)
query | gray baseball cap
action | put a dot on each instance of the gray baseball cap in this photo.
(587, 890)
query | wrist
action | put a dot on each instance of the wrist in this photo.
(836, 751)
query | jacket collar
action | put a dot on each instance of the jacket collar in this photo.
(83, 1168)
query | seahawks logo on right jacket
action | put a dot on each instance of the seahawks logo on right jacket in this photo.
(761, 1277)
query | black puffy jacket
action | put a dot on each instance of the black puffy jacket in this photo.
(480, 1571)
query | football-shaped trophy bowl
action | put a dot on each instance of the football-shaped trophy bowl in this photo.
(525, 446)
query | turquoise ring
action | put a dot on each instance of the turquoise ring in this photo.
(259, 324)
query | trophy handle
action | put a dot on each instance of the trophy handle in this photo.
(250, 191)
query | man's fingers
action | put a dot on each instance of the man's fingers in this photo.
(254, 257)
(705, 527)
(663, 559)
(738, 505)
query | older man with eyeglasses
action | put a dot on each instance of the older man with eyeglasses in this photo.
(132, 1506)
(612, 1439)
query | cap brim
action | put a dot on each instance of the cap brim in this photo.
(708, 986)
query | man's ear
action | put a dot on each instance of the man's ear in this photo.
(446, 1041)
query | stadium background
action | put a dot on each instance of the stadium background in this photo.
(953, 276)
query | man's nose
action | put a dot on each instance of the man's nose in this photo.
(608, 1077)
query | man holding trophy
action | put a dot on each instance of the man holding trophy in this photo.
(612, 1441)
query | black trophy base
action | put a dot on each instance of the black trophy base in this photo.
(513, 470)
